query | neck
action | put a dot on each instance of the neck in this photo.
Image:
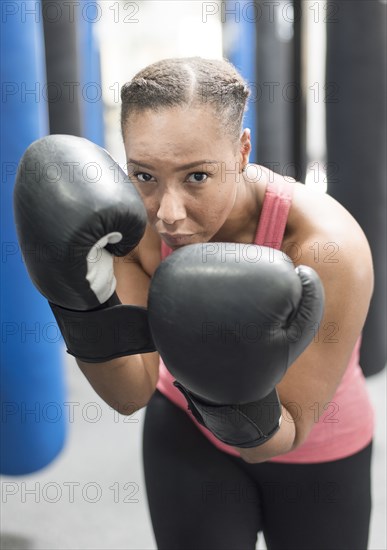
(242, 222)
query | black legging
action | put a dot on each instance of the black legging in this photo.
(201, 498)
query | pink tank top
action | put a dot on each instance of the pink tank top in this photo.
(347, 424)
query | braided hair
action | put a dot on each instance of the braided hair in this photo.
(189, 82)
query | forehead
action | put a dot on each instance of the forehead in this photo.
(182, 128)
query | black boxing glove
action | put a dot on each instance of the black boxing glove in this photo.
(74, 209)
(228, 327)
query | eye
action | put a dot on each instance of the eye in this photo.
(146, 177)
(198, 177)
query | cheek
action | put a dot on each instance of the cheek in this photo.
(217, 206)
(225, 194)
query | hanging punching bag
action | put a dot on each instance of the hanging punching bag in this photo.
(239, 46)
(356, 143)
(279, 93)
(32, 427)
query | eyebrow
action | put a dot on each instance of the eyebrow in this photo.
(183, 167)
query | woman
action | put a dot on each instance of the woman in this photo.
(188, 157)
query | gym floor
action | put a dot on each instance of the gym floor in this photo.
(92, 497)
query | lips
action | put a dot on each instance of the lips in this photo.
(176, 239)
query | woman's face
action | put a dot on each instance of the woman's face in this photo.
(186, 170)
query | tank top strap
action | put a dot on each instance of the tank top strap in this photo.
(274, 214)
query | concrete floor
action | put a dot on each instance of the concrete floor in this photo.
(107, 506)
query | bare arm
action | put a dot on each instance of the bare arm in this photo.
(126, 383)
(314, 377)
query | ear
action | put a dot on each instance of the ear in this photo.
(245, 147)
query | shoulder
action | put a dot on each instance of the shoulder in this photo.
(324, 235)
(311, 211)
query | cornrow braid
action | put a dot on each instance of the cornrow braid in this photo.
(188, 81)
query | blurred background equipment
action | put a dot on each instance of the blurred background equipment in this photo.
(73, 68)
(240, 47)
(356, 98)
(32, 428)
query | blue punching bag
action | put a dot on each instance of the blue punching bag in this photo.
(239, 47)
(32, 424)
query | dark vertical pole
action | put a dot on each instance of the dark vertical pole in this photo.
(356, 142)
(62, 65)
(299, 106)
(277, 87)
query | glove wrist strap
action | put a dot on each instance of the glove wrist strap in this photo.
(247, 425)
(106, 333)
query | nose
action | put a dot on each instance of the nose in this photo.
(171, 209)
